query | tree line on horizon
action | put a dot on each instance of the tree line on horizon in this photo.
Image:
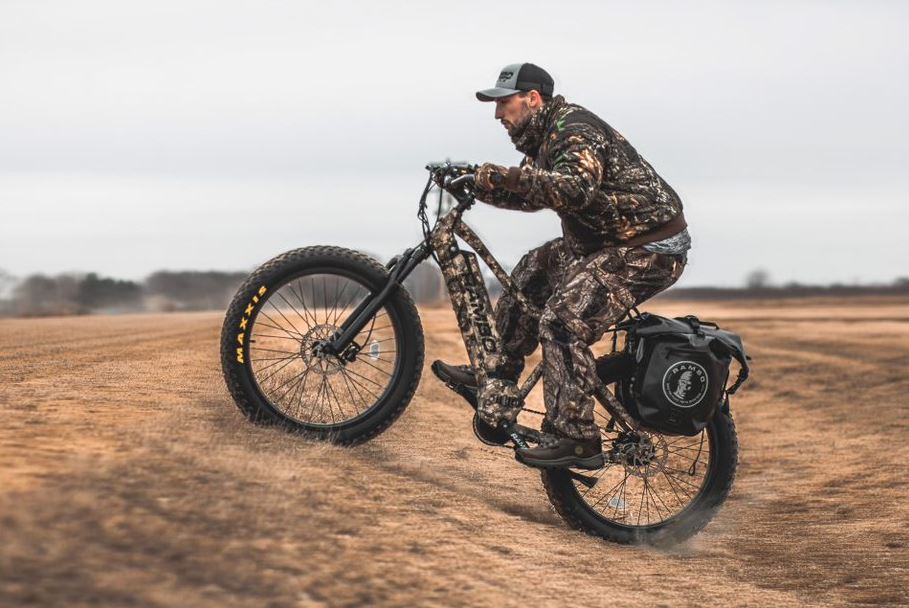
(40, 295)
(171, 291)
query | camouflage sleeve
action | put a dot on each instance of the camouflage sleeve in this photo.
(500, 195)
(577, 170)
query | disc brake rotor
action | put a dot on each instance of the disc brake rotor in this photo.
(318, 362)
(642, 454)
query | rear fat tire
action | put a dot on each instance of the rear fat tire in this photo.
(569, 504)
(408, 331)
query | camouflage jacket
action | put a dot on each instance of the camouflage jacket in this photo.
(584, 170)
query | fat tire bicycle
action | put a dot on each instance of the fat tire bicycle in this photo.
(326, 342)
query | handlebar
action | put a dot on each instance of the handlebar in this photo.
(458, 180)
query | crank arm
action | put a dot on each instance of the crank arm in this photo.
(521, 434)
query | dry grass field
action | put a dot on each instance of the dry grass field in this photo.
(128, 478)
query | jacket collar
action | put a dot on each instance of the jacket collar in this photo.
(528, 139)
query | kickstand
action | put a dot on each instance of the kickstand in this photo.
(587, 481)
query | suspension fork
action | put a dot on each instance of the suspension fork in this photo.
(400, 268)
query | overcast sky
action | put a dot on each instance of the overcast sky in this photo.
(137, 136)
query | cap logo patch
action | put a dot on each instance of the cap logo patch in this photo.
(505, 76)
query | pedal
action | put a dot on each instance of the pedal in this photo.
(468, 393)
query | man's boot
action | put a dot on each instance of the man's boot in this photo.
(454, 374)
(562, 452)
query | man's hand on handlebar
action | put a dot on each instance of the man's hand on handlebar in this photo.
(456, 178)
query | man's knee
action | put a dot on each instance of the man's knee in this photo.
(535, 273)
(558, 324)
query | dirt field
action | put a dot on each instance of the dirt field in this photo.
(128, 477)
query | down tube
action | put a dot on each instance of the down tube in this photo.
(472, 308)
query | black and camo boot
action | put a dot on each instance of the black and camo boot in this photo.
(454, 374)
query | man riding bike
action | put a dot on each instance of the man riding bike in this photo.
(624, 240)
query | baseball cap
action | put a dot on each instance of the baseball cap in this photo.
(518, 77)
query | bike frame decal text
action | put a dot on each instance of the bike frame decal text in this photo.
(478, 315)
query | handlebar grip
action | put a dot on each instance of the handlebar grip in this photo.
(464, 179)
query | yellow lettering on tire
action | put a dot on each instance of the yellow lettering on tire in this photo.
(244, 321)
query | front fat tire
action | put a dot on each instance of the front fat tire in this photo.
(236, 365)
(571, 507)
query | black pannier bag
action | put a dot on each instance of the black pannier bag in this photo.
(674, 371)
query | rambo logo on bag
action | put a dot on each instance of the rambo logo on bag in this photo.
(685, 384)
(679, 371)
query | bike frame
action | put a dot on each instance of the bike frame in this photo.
(469, 299)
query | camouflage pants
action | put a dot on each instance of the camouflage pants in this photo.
(579, 299)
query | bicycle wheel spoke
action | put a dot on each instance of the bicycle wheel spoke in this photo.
(276, 324)
(665, 506)
(284, 329)
(292, 307)
(612, 489)
(291, 356)
(334, 318)
(373, 366)
(598, 474)
(347, 305)
(674, 491)
(298, 393)
(292, 379)
(640, 510)
(272, 350)
(312, 289)
(288, 337)
(327, 397)
(353, 400)
(312, 407)
(372, 329)
(363, 377)
(287, 362)
(298, 293)
(337, 399)
(365, 388)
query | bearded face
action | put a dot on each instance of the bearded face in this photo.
(514, 112)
